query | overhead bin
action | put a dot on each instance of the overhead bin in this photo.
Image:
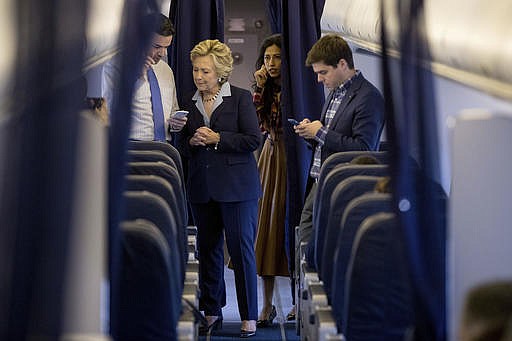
(469, 42)
(103, 27)
(101, 41)
(9, 42)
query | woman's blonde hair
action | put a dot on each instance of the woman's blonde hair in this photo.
(221, 55)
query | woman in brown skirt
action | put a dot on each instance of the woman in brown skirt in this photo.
(271, 259)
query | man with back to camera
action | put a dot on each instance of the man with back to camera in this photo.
(154, 101)
(352, 117)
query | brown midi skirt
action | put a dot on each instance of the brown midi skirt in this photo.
(270, 252)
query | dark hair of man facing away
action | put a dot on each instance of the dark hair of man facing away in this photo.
(330, 49)
(364, 160)
(487, 314)
(161, 24)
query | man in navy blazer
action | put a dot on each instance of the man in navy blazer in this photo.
(353, 114)
(352, 117)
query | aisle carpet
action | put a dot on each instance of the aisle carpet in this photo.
(231, 331)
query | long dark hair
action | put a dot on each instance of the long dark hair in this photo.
(274, 39)
(270, 85)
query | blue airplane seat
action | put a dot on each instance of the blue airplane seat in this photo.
(150, 301)
(343, 193)
(152, 207)
(150, 156)
(378, 304)
(345, 157)
(356, 211)
(157, 185)
(172, 177)
(321, 206)
(168, 149)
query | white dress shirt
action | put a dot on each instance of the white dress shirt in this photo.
(142, 127)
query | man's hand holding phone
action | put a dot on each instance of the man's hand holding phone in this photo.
(178, 120)
(293, 122)
(308, 129)
(180, 114)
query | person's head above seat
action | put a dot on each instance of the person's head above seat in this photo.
(487, 314)
(365, 160)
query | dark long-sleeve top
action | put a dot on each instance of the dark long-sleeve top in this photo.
(225, 172)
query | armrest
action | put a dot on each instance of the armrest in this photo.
(325, 326)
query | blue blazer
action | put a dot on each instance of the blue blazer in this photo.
(358, 122)
(229, 172)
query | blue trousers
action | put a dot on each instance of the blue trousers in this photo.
(238, 219)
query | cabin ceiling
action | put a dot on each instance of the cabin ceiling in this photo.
(470, 41)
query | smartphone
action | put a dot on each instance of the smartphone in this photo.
(293, 121)
(180, 114)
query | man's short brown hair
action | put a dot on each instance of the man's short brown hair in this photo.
(330, 49)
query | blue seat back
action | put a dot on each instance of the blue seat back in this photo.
(323, 196)
(150, 156)
(345, 157)
(151, 207)
(168, 149)
(356, 211)
(157, 185)
(378, 302)
(172, 177)
(150, 302)
(343, 193)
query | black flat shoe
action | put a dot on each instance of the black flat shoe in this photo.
(246, 333)
(268, 321)
(216, 325)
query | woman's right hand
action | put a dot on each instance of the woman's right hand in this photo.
(198, 139)
(260, 76)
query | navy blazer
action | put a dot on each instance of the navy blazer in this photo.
(227, 173)
(358, 122)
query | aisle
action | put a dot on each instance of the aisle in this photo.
(280, 330)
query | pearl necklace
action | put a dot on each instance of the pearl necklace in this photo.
(211, 99)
